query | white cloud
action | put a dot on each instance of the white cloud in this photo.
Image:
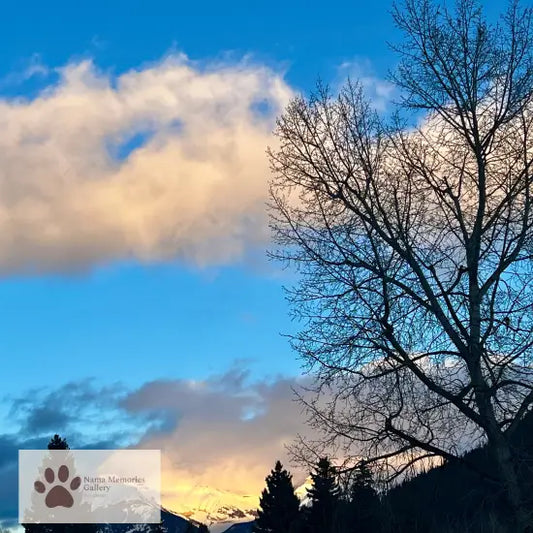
(379, 91)
(194, 190)
(31, 68)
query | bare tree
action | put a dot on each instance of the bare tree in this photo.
(414, 246)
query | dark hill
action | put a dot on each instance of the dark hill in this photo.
(456, 497)
(244, 527)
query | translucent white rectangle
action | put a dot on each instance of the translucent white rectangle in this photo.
(89, 486)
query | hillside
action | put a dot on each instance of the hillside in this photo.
(245, 527)
(454, 497)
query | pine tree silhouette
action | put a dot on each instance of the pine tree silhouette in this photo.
(325, 498)
(364, 506)
(57, 443)
(279, 505)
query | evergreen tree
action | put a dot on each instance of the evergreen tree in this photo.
(279, 505)
(364, 506)
(325, 498)
(57, 443)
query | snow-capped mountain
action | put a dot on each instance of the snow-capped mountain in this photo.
(219, 509)
(301, 492)
(222, 511)
(222, 514)
(245, 526)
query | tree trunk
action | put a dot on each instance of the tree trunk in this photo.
(498, 443)
(513, 491)
(501, 451)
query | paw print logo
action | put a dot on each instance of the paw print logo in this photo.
(58, 495)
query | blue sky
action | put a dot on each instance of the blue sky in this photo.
(132, 323)
(308, 38)
(133, 227)
(167, 319)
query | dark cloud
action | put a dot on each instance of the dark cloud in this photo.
(44, 418)
(77, 408)
(224, 432)
(9, 448)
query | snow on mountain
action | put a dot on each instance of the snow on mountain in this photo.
(222, 514)
(222, 511)
(245, 525)
(301, 492)
(218, 509)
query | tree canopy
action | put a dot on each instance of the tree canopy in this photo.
(413, 239)
(279, 505)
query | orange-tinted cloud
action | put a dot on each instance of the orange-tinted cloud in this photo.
(228, 435)
(161, 163)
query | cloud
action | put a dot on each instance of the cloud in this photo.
(229, 433)
(162, 163)
(379, 91)
(31, 68)
(9, 446)
(219, 436)
(84, 412)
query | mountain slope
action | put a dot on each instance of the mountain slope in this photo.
(244, 527)
(217, 508)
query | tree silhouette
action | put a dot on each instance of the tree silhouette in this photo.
(57, 443)
(279, 505)
(364, 505)
(324, 494)
(413, 241)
